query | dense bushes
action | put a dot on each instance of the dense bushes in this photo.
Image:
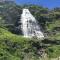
(16, 47)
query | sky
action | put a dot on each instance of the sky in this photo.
(45, 3)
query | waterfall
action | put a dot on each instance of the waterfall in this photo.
(29, 25)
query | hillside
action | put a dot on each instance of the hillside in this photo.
(13, 46)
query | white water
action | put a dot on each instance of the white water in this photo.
(29, 25)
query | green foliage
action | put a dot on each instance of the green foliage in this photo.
(4, 55)
(15, 47)
(53, 51)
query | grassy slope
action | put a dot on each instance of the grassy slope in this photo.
(6, 41)
(50, 27)
(54, 24)
(54, 50)
(15, 47)
(8, 52)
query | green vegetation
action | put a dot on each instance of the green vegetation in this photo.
(53, 51)
(13, 46)
(16, 47)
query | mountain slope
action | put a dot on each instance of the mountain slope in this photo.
(13, 46)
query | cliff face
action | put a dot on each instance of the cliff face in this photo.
(10, 14)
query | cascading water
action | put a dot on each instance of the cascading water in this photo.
(29, 25)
